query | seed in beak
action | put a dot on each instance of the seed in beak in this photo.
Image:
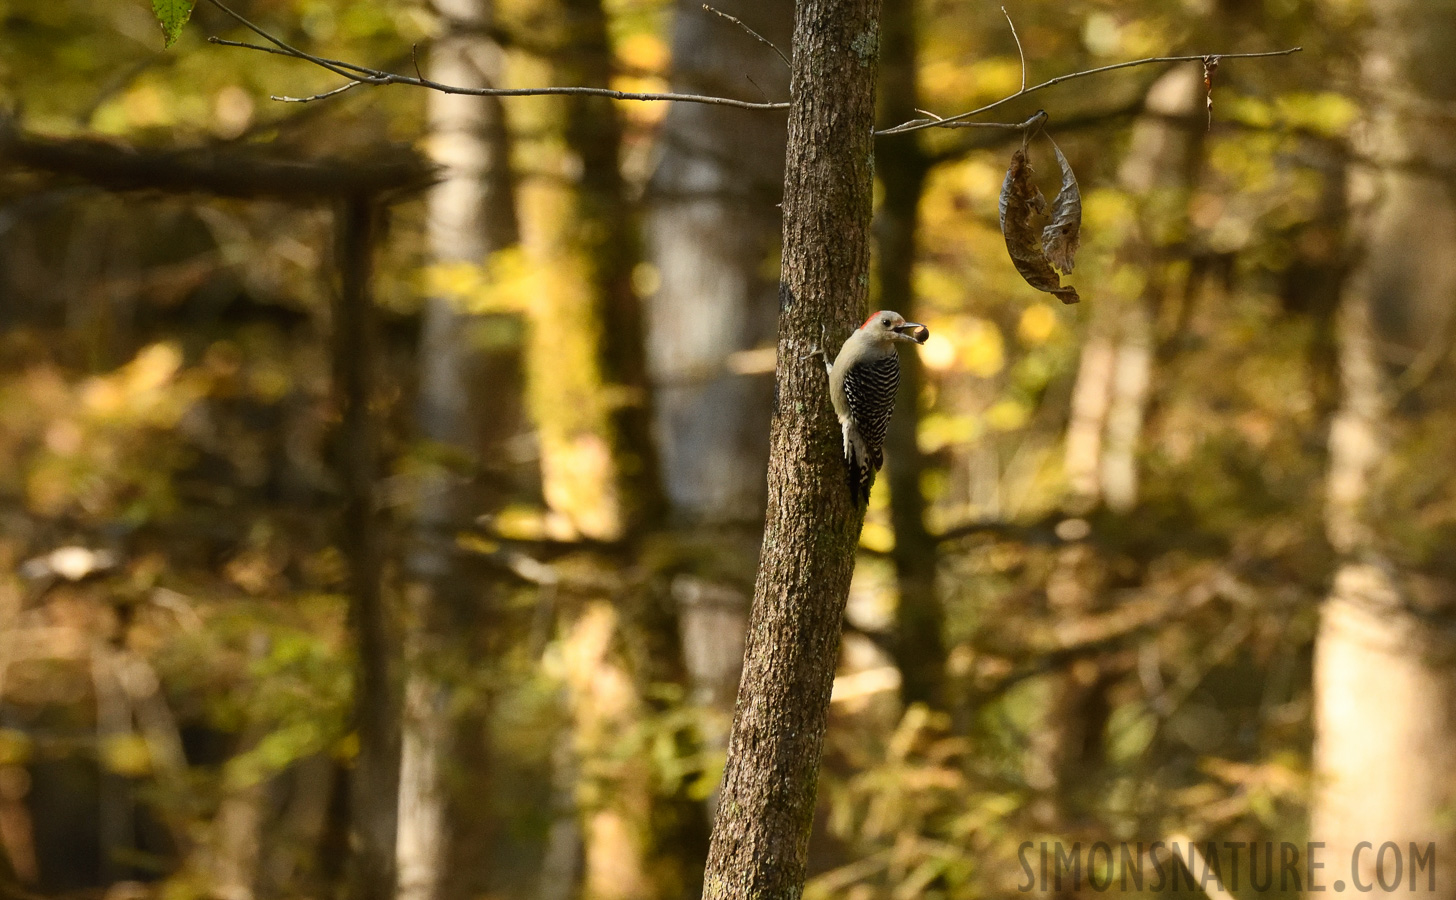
(915, 332)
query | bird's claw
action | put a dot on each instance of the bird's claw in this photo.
(819, 350)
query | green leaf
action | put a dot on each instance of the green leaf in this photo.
(173, 14)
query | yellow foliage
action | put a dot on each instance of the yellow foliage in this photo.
(522, 523)
(1106, 210)
(1007, 415)
(1037, 324)
(643, 51)
(126, 754)
(939, 287)
(948, 80)
(982, 349)
(506, 282)
(145, 107)
(1324, 112)
(15, 747)
(877, 536)
(941, 430)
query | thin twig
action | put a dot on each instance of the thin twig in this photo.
(366, 75)
(224, 42)
(283, 98)
(281, 45)
(763, 93)
(1019, 52)
(754, 34)
(918, 124)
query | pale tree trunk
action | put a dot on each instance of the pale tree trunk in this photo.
(1384, 727)
(1105, 430)
(766, 808)
(902, 167)
(1111, 393)
(469, 407)
(604, 704)
(236, 833)
(713, 232)
(595, 403)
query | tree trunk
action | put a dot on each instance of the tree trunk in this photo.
(902, 167)
(713, 235)
(713, 231)
(470, 407)
(765, 813)
(1384, 724)
(376, 708)
(603, 230)
(590, 391)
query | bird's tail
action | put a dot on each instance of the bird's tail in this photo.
(861, 463)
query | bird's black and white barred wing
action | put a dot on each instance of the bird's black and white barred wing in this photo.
(870, 390)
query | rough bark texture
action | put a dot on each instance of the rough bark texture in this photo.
(376, 709)
(1384, 688)
(765, 813)
(902, 165)
(470, 406)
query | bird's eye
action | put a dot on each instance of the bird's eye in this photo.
(885, 322)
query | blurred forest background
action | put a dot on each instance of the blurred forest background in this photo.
(426, 576)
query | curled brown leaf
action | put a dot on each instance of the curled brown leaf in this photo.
(1020, 202)
(1063, 236)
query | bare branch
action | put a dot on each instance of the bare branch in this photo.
(357, 74)
(950, 121)
(287, 49)
(281, 98)
(1019, 52)
(224, 42)
(753, 34)
(366, 75)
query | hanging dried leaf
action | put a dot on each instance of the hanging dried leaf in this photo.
(1020, 201)
(1210, 65)
(1063, 236)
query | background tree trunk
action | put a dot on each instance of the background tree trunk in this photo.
(469, 408)
(375, 788)
(765, 813)
(713, 232)
(1384, 690)
(602, 230)
(902, 167)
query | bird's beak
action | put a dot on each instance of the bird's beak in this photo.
(914, 331)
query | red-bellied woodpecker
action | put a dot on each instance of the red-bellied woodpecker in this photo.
(862, 383)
